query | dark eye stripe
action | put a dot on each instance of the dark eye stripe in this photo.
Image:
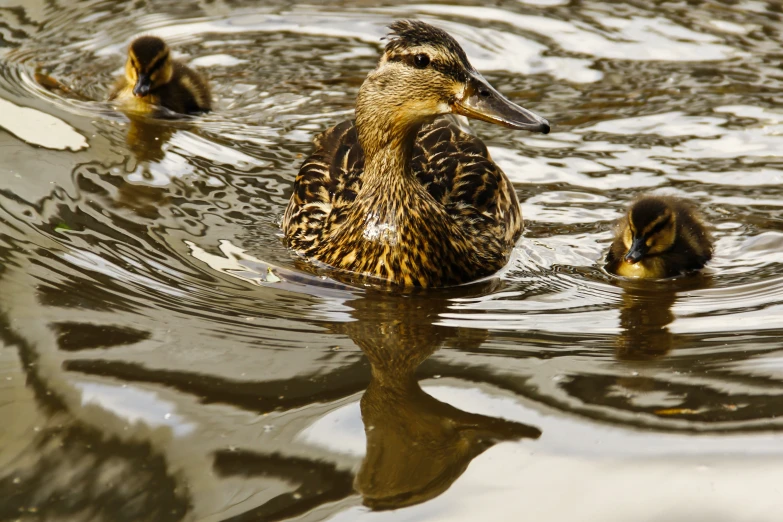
(158, 64)
(658, 226)
(407, 59)
(448, 69)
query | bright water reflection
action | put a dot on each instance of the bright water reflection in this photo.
(163, 357)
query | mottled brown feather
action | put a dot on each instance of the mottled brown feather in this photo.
(479, 208)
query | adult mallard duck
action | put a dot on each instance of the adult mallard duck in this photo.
(659, 236)
(399, 198)
(153, 79)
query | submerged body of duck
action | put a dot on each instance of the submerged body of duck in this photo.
(400, 198)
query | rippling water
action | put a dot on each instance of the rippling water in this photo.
(162, 357)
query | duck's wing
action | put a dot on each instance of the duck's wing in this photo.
(190, 93)
(453, 165)
(456, 169)
(325, 187)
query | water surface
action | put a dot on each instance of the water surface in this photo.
(163, 357)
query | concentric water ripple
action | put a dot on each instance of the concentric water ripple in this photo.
(159, 338)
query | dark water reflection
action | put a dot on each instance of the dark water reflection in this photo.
(163, 357)
(645, 315)
(417, 446)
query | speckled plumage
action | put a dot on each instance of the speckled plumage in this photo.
(688, 247)
(432, 209)
(184, 91)
(459, 220)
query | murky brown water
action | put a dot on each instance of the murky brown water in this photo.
(152, 368)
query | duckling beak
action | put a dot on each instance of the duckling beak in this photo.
(637, 251)
(143, 85)
(481, 101)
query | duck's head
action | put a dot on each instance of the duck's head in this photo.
(424, 73)
(650, 229)
(149, 65)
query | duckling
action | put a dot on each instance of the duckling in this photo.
(153, 79)
(399, 196)
(660, 236)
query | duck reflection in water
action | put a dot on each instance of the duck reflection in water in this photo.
(147, 138)
(417, 446)
(144, 193)
(645, 316)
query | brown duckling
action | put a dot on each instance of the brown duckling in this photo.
(400, 197)
(660, 236)
(153, 80)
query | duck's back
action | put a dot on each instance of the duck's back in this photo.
(456, 169)
(693, 247)
(325, 187)
(187, 93)
(453, 166)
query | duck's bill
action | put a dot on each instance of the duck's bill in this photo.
(636, 252)
(482, 102)
(143, 86)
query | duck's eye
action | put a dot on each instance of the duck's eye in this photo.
(421, 61)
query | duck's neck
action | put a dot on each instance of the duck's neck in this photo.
(389, 165)
(390, 191)
(393, 203)
(386, 136)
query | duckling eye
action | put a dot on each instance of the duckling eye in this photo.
(421, 61)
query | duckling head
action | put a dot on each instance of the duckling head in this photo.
(149, 65)
(650, 229)
(424, 73)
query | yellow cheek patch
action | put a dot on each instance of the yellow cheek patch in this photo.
(130, 71)
(627, 238)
